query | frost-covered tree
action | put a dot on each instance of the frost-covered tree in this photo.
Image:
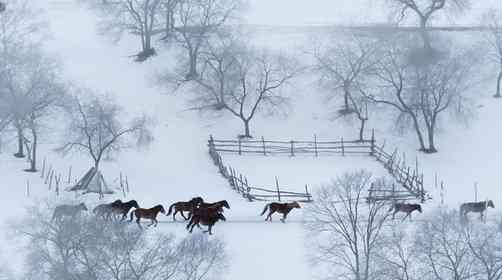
(32, 88)
(346, 229)
(141, 18)
(422, 94)
(98, 127)
(344, 69)
(425, 10)
(197, 20)
(493, 20)
(244, 81)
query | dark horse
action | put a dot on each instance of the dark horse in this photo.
(407, 208)
(122, 208)
(68, 210)
(216, 205)
(283, 208)
(187, 206)
(206, 216)
(104, 210)
(477, 207)
(150, 214)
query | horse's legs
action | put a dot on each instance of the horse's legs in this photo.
(394, 213)
(284, 216)
(183, 215)
(189, 224)
(191, 229)
(269, 217)
(138, 222)
(407, 215)
(124, 216)
(156, 222)
(209, 229)
(152, 223)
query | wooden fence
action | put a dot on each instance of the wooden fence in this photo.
(240, 183)
(409, 178)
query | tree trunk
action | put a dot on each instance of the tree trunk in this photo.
(499, 80)
(192, 72)
(20, 142)
(425, 35)
(430, 132)
(33, 157)
(346, 97)
(420, 137)
(361, 129)
(246, 129)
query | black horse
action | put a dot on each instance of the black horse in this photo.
(216, 205)
(122, 208)
(477, 207)
(407, 208)
(206, 216)
(105, 210)
(187, 206)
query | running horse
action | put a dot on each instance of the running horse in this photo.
(122, 208)
(207, 216)
(104, 210)
(187, 206)
(407, 208)
(283, 208)
(150, 214)
(476, 207)
(68, 211)
(216, 205)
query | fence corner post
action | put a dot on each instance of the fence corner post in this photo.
(315, 145)
(278, 190)
(240, 146)
(292, 148)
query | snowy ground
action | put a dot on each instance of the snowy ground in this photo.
(177, 166)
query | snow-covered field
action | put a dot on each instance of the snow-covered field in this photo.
(177, 166)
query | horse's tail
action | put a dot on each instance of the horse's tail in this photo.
(265, 209)
(170, 209)
(132, 215)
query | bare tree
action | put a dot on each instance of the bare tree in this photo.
(218, 77)
(32, 89)
(169, 8)
(21, 27)
(443, 248)
(198, 20)
(421, 93)
(493, 38)
(484, 241)
(137, 17)
(89, 248)
(345, 68)
(347, 229)
(424, 10)
(245, 81)
(97, 128)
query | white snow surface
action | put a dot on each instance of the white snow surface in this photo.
(177, 166)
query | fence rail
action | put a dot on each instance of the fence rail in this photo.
(409, 178)
(240, 183)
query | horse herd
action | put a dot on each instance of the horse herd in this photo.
(199, 212)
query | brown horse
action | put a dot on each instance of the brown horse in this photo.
(407, 208)
(150, 214)
(283, 208)
(68, 211)
(187, 206)
(216, 205)
(206, 216)
(122, 208)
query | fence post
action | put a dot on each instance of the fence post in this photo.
(343, 148)
(50, 180)
(127, 184)
(292, 148)
(372, 142)
(307, 192)
(69, 175)
(263, 144)
(315, 145)
(211, 142)
(28, 188)
(278, 190)
(240, 146)
(239, 189)
(43, 169)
